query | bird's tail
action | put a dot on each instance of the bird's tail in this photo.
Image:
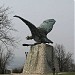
(47, 40)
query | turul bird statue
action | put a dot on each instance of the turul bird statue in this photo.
(39, 34)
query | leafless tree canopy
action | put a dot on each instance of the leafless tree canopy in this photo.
(5, 59)
(5, 28)
(7, 41)
(65, 60)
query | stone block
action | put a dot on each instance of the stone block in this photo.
(39, 60)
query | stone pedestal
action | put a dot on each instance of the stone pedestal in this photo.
(39, 60)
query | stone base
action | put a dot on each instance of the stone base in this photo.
(39, 60)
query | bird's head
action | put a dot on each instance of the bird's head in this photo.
(50, 21)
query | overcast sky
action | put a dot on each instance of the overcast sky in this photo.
(36, 11)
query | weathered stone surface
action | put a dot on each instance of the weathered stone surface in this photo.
(39, 60)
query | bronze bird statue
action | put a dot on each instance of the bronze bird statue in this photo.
(39, 34)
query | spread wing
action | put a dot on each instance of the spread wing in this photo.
(47, 26)
(32, 28)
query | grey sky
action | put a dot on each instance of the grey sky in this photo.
(36, 11)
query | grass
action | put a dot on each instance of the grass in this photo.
(66, 73)
(62, 73)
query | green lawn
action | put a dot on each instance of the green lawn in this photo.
(66, 73)
(62, 73)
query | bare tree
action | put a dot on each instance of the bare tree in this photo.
(5, 28)
(7, 42)
(64, 59)
(5, 59)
